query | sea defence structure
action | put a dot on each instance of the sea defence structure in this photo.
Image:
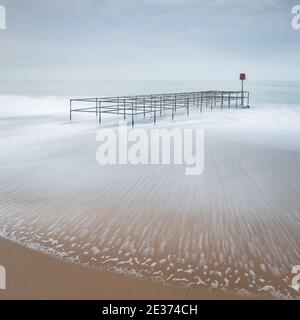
(159, 105)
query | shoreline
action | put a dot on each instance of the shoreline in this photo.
(33, 275)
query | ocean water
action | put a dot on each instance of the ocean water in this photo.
(274, 113)
(236, 227)
(262, 92)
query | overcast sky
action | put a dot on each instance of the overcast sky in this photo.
(149, 40)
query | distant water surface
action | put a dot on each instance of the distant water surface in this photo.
(261, 91)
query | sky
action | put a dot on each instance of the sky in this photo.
(129, 40)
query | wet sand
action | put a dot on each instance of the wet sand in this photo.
(34, 275)
(234, 228)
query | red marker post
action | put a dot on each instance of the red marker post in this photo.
(243, 78)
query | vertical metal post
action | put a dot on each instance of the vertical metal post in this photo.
(96, 108)
(124, 101)
(187, 106)
(222, 100)
(132, 115)
(160, 106)
(173, 109)
(201, 105)
(144, 106)
(242, 93)
(71, 110)
(229, 100)
(100, 112)
(136, 102)
(215, 99)
(155, 112)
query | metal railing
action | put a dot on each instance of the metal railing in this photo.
(158, 105)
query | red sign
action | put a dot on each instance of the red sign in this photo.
(243, 76)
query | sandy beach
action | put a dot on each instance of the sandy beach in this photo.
(234, 229)
(33, 275)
